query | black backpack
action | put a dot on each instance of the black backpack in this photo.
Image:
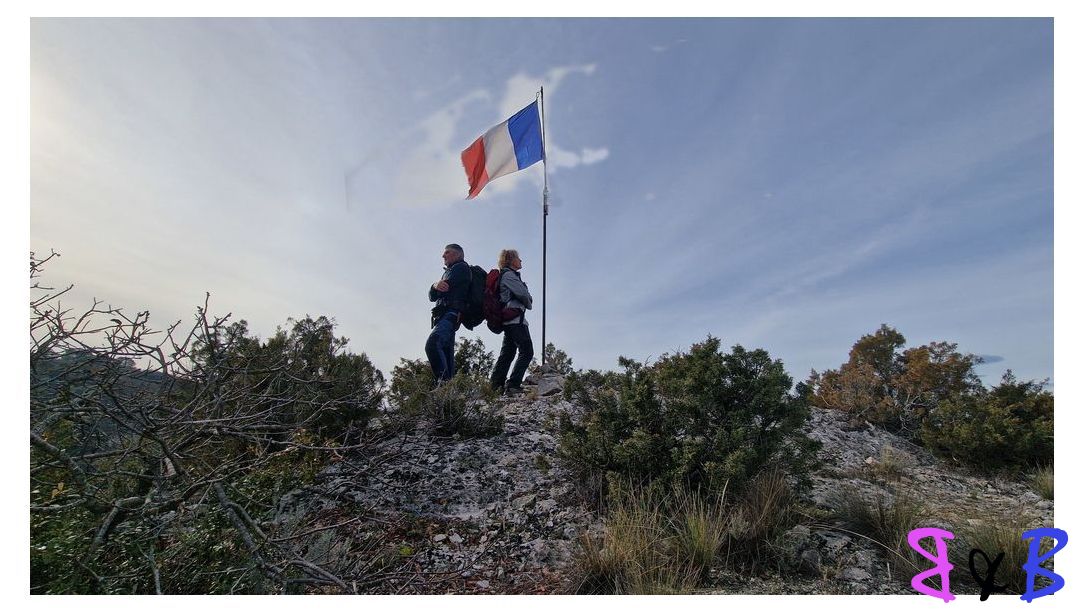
(473, 316)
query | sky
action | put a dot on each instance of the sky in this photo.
(786, 184)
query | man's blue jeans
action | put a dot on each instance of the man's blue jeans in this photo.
(440, 346)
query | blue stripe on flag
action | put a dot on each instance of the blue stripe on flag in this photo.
(526, 133)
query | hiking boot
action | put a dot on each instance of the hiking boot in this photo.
(514, 390)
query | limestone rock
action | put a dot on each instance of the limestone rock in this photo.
(550, 386)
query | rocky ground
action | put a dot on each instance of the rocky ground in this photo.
(484, 515)
(500, 515)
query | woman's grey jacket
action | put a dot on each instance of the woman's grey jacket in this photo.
(514, 294)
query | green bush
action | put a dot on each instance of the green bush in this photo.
(558, 360)
(412, 381)
(703, 419)
(464, 405)
(303, 376)
(472, 358)
(1010, 426)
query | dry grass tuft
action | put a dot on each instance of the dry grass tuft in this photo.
(1042, 481)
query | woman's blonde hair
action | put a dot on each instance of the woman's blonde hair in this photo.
(505, 258)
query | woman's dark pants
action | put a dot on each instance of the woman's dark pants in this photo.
(517, 338)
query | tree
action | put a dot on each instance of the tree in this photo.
(894, 388)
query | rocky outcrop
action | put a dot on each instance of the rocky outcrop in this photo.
(501, 515)
(878, 466)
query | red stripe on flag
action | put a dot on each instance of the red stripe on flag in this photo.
(474, 163)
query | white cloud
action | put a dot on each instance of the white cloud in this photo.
(425, 174)
(425, 167)
(591, 156)
(563, 158)
(662, 48)
(522, 88)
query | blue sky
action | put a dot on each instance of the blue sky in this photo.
(788, 184)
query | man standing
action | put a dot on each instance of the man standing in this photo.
(450, 294)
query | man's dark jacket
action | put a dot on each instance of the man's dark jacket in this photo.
(458, 276)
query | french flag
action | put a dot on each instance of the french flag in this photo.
(511, 145)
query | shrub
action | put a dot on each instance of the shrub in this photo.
(893, 388)
(412, 381)
(558, 360)
(464, 405)
(702, 420)
(413, 378)
(1010, 426)
(325, 389)
(472, 358)
(158, 458)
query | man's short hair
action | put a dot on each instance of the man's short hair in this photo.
(456, 248)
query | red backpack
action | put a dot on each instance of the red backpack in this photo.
(492, 309)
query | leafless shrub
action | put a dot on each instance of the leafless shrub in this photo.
(158, 456)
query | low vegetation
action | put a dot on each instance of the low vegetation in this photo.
(885, 519)
(157, 458)
(718, 433)
(1010, 426)
(994, 535)
(1042, 481)
(463, 406)
(705, 420)
(932, 395)
(658, 541)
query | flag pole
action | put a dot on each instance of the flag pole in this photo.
(546, 211)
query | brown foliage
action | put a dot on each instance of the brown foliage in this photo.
(894, 388)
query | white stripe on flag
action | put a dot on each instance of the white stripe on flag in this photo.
(500, 155)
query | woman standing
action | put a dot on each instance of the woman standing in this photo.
(516, 300)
